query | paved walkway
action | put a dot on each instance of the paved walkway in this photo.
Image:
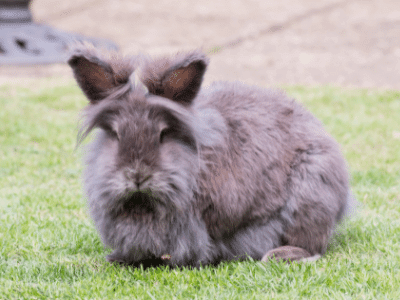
(343, 43)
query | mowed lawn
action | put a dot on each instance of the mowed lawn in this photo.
(49, 248)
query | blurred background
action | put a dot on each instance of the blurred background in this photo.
(353, 43)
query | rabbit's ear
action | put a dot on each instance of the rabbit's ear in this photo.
(178, 78)
(94, 76)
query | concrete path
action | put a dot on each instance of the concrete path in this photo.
(351, 43)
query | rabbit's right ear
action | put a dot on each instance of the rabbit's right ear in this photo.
(177, 78)
(94, 75)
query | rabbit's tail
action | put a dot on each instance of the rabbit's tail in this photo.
(352, 206)
(350, 210)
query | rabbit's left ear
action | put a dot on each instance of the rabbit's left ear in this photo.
(95, 73)
(178, 78)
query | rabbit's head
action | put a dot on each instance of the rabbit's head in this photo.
(146, 146)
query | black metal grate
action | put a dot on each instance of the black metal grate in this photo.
(25, 42)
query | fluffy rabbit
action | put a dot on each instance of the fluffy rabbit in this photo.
(187, 176)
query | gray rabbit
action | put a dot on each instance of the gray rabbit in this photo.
(184, 175)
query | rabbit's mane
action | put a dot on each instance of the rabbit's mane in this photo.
(123, 101)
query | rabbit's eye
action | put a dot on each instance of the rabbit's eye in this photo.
(110, 131)
(165, 133)
(114, 134)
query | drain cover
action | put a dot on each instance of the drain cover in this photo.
(24, 42)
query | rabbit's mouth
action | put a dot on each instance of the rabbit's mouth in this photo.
(138, 204)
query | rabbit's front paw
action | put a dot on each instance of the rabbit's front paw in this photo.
(116, 257)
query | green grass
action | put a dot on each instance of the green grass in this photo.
(49, 248)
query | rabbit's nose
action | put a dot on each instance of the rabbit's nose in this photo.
(140, 179)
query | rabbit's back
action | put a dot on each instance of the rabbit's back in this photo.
(276, 162)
